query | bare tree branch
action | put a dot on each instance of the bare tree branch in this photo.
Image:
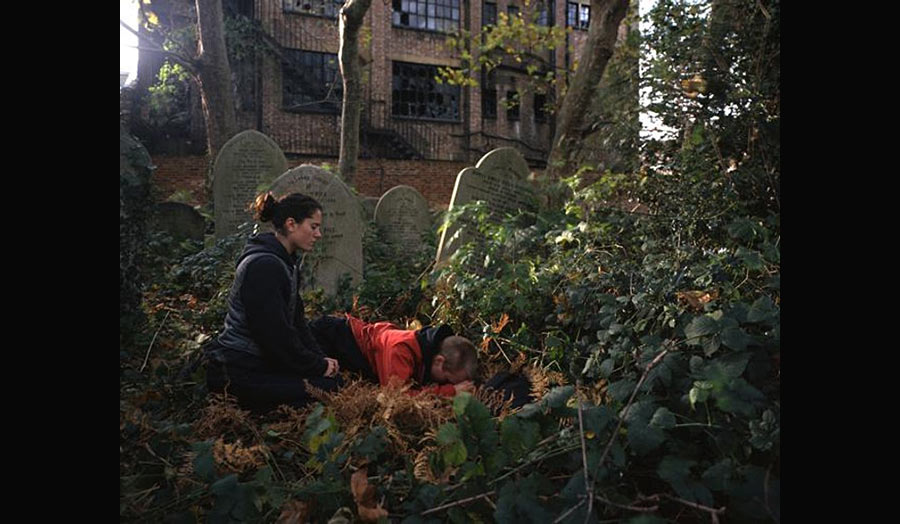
(189, 63)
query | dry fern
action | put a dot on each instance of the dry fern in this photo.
(542, 380)
(237, 458)
(222, 416)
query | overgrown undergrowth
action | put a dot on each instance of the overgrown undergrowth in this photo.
(652, 342)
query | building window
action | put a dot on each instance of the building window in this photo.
(489, 14)
(329, 8)
(416, 93)
(540, 110)
(311, 82)
(578, 16)
(489, 95)
(543, 15)
(512, 105)
(512, 11)
(433, 15)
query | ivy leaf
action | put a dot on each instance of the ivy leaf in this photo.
(663, 418)
(606, 368)
(621, 389)
(738, 397)
(677, 472)
(460, 402)
(558, 396)
(762, 311)
(204, 463)
(519, 436)
(733, 364)
(455, 454)
(597, 419)
(752, 259)
(710, 345)
(735, 338)
(718, 475)
(448, 434)
(519, 501)
(699, 327)
(644, 438)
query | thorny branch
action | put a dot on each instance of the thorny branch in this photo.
(147, 356)
(457, 503)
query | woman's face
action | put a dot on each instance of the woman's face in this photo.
(303, 235)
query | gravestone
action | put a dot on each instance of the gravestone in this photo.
(499, 179)
(181, 221)
(339, 251)
(246, 163)
(403, 217)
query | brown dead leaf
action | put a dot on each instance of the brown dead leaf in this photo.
(696, 299)
(294, 512)
(498, 327)
(364, 495)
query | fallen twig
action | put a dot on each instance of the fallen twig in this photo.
(147, 356)
(630, 402)
(587, 483)
(713, 512)
(625, 506)
(567, 513)
(457, 503)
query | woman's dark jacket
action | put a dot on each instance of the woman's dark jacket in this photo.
(265, 329)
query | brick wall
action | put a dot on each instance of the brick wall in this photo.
(434, 179)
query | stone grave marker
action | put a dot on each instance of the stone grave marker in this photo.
(403, 217)
(181, 221)
(499, 179)
(246, 163)
(339, 251)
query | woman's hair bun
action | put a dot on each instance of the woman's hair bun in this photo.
(264, 206)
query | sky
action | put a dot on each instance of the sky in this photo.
(128, 55)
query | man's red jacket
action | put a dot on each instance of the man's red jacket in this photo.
(401, 353)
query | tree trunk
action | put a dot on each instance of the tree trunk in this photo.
(352, 14)
(214, 75)
(606, 15)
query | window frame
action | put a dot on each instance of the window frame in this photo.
(513, 110)
(288, 7)
(427, 10)
(484, 14)
(574, 19)
(320, 101)
(428, 71)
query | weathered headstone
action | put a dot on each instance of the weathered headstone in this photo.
(181, 221)
(403, 217)
(499, 179)
(247, 162)
(339, 251)
(135, 173)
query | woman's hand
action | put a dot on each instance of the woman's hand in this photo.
(333, 367)
(466, 385)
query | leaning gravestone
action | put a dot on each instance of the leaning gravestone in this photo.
(339, 251)
(403, 217)
(499, 179)
(181, 221)
(248, 161)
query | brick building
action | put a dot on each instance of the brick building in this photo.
(414, 130)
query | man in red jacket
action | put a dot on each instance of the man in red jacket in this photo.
(432, 358)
